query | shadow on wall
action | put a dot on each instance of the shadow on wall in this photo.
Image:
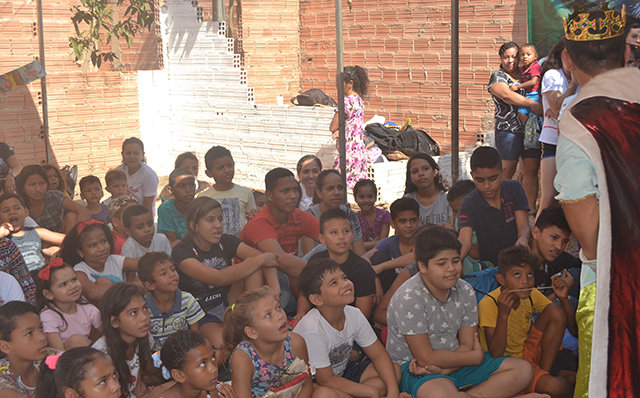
(21, 123)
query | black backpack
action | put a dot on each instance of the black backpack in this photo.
(408, 141)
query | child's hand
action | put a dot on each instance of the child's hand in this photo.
(335, 135)
(560, 287)
(5, 229)
(225, 390)
(269, 260)
(567, 278)
(506, 301)
(423, 370)
(515, 87)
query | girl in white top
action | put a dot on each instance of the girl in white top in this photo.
(555, 88)
(90, 247)
(142, 180)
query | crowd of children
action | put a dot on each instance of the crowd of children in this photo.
(240, 300)
(289, 292)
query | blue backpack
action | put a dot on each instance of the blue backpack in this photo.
(483, 281)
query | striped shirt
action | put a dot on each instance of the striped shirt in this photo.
(185, 312)
(12, 263)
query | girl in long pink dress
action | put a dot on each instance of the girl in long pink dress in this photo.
(356, 82)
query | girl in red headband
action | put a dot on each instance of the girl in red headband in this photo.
(67, 319)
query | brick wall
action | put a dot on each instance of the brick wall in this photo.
(405, 46)
(90, 113)
(270, 41)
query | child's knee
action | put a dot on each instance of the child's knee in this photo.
(521, 370)
(555, 315)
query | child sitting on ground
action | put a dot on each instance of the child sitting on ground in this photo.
(29, 240)
(171, 213)
(497, 211)
(55, 178)
(189, 162)
(331, 328)
(171, 308)
(459, 191)
(116, 208)
(91, 192)
(89, 246)
(506, 320)
(374, 221)
(530, 74)
(67, 319)
(143, 238)
(25, 346)
(238, 204)
(432, 329)
(189, 358)
(117, 186)
(265, 357)
(336, 234)
(81, 372)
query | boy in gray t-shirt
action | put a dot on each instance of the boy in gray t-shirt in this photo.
(432, 321)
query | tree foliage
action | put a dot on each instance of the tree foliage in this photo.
(96, 23)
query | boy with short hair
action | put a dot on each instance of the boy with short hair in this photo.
(336, 234)
(171, 213)
(506, 315)
(117, 186)
(116, 208)
(171, 308)
(331, 328)
(432, 321)
(91, 192)
(497, 211)
(238, 204)
(138, 221)
(549, 239)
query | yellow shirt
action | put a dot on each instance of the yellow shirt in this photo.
(518, 322)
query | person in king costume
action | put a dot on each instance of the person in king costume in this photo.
(598, 182)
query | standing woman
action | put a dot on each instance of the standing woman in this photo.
(142, 180)
(555, 88)
(508, 127)
(356, 82)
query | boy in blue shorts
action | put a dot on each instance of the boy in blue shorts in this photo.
(497, 211)
(432, 321)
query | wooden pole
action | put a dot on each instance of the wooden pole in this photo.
(455, 86)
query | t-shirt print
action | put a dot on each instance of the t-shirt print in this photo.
(231, 213)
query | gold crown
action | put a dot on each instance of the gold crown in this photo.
(590, 26)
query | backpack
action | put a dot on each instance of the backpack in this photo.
(408, 141)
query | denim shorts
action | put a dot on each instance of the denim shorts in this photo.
(510, 146)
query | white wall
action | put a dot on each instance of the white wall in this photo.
(201, 98)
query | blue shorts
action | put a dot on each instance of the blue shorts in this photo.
(533, 95)
(469, 375)
(510, 146)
